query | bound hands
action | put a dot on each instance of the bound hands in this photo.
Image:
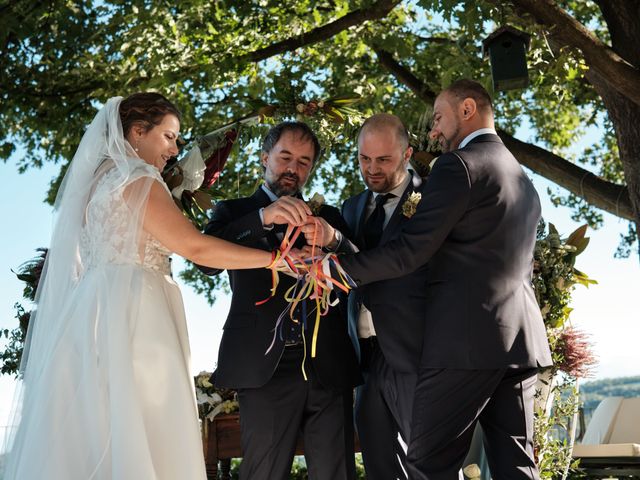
(318, 233)
(286, 210)
(295, 212)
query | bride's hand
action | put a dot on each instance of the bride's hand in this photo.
(307, 251)
(295, 260)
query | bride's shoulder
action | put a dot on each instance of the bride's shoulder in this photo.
(117, 179)
(140, 168)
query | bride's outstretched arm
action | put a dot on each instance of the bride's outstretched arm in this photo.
(165, 222)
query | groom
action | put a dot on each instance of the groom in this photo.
(283, 389)
(484, 337)
(388, 316)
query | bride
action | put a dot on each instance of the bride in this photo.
(107, 391)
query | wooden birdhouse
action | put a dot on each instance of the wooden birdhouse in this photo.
(507, 48)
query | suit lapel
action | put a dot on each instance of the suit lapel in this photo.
(361, 209)
(261, 198)
(397, 216)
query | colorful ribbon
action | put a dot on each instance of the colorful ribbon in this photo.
(313, 282)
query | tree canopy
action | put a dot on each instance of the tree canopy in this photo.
(221, 60)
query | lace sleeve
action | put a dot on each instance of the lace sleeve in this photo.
(113, 220)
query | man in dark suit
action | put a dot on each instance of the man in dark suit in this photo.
(387, 315)
(484, 338)
(283, 388)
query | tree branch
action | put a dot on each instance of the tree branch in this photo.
(379, 9)
(608, 196)
(620, 74)
(437, 40)
(405, 76)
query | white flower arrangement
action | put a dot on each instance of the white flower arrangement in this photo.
(315, 203)
(212, 401)
(410, 204)
(472, 471)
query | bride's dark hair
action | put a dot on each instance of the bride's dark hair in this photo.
(146, 109)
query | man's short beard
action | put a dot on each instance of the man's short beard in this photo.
(447, 145)
(385, 188)
(387, 185)
(279, 190)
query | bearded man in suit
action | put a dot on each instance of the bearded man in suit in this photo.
(388, 316)
(484, 338)
(283, 389)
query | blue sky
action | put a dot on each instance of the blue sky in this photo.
(606, 311)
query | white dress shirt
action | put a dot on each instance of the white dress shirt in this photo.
(477, 133)
(365, 321)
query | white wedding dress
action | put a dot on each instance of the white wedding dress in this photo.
(115, 399)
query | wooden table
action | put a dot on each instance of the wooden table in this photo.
(221, 442)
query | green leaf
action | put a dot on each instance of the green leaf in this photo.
(577, 235)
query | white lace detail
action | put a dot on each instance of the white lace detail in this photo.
(104, 237)
(156, 256)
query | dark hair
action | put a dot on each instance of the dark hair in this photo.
(146, 109)
(303, 130)
(465, 88)
(382, 121)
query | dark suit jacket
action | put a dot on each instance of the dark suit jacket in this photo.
(249, 329)
(397, 305)
(476, 225)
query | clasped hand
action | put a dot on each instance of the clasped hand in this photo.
(293, 211)
(317, 232)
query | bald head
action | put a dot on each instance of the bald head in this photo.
(388, 123)
(383, 152)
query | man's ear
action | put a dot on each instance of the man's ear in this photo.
(407, 155)
(469, 108)
(264, 156)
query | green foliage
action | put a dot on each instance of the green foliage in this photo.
(63, 59)
(554, 280)
(626, 242)
(299, 469)
(12, 353)
(555, 274)
(29, 272)
(552, 433)
(203, 284)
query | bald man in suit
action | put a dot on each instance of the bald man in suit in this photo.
(484, 339)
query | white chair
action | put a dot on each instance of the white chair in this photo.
(611, 443)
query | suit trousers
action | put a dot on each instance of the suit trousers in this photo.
(273, 416)
(448, 403)
(383, 411)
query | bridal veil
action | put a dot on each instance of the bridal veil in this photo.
(74, 375)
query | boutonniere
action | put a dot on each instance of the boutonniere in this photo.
(410, 204)
(315, 203)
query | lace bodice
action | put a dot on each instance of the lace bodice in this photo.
(112, 236)
(156, 256)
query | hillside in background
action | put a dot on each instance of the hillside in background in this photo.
(591, 393)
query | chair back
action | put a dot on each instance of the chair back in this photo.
(626, 428)
(615, 420)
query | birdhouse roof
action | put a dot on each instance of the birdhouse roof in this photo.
(505, 29)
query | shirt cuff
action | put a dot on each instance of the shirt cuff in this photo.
(266, 227)
(339, 238)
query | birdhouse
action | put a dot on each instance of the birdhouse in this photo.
(507, 49)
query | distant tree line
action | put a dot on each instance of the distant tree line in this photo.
(591, 393)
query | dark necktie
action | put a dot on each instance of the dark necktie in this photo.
(375, 223)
